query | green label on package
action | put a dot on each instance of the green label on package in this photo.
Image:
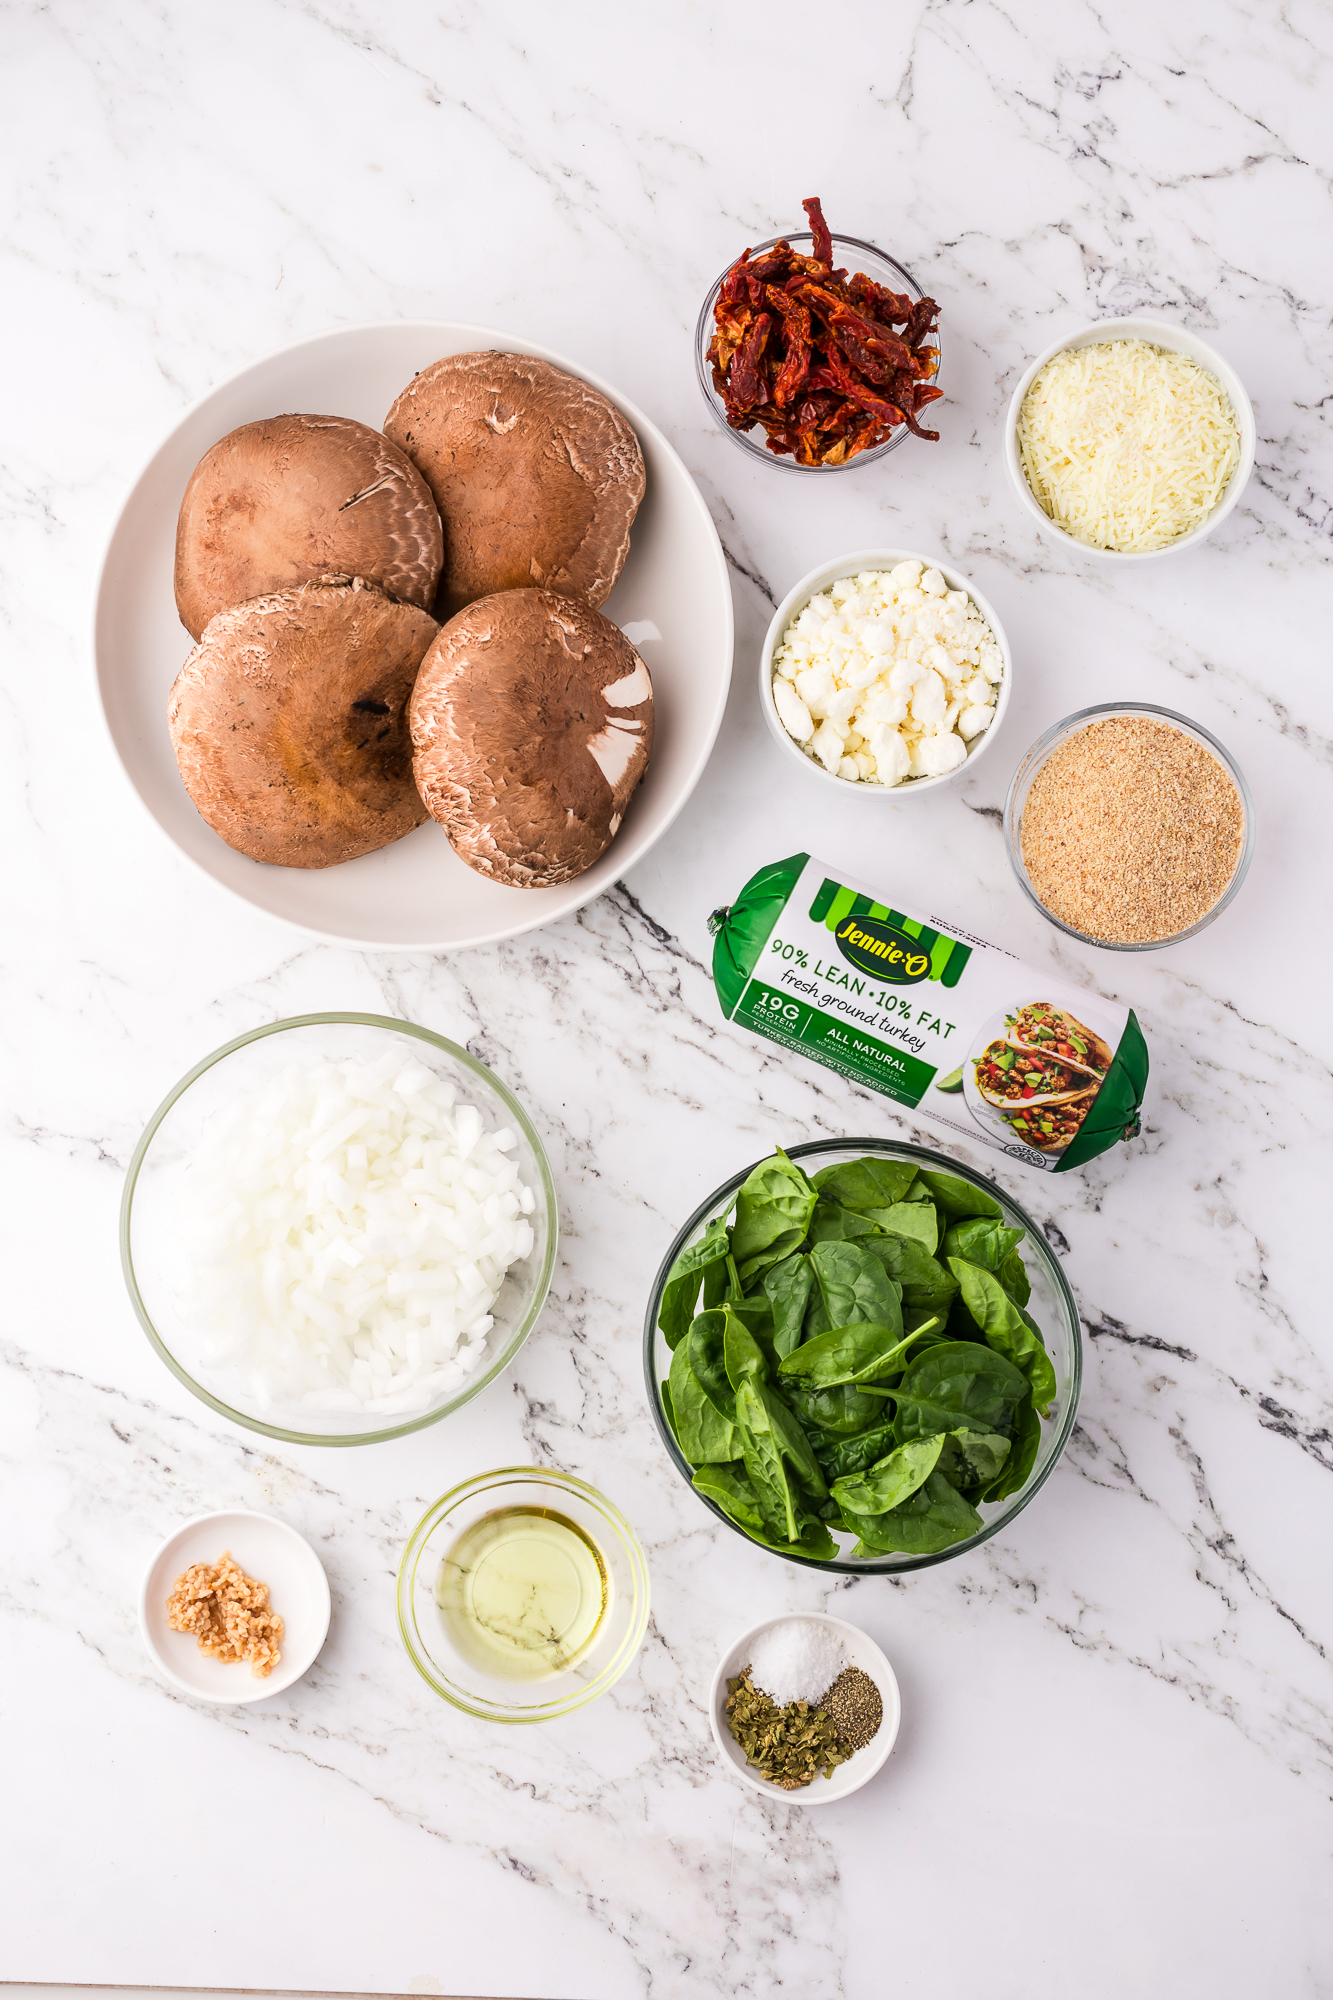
(954, 1029)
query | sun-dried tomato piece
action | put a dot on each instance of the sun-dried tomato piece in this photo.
(819, 229)
(796, 326)
(877, 302)
(826, 366)
(747, 384)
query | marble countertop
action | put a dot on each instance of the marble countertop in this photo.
(1116, 1758)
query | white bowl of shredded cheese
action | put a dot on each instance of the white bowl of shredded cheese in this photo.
(1129, 440)
(338, 1228)
(886, 671)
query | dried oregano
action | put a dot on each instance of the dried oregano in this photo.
(789, 1745)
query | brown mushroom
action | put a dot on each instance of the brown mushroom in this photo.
(532, 723)
(538, 477)
(290, 722)
(290, 499)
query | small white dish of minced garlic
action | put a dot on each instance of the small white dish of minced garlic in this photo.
(886, 670)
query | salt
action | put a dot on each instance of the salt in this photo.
(798, 1660)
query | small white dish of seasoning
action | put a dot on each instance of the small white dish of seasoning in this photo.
(234, 1607)
(1121, 427)
(860, 1707)
(884, 672)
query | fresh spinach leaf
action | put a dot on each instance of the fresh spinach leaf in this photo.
(788, 1286)
(1013, 1275)
(993, 1247)
(745, 1356)
(871, 1182)
(970, 1460)
(773, 1211)
(909, 1218)
(958, 1197)
(1008, 1329)
(777, 1457)
(840, 1412)
(831, 1224)
(755, 1313)
(890, 1482)
(934, 1518)
(703, 1433)
(960, 1385)
(924, 1281)
(981, 1240)
(960, 1323)
(730, 1488)
(858, 1355)
(854, 1285)
(840, 1456)
(720, 1282)
(681, 1291)
(707, 1352)
(669, 1408)
(1017, 1468)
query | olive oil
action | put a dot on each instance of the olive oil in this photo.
(522, 1593)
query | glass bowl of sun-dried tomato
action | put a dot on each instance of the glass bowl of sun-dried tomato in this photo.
(817, 352)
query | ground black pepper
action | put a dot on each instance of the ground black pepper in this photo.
(854, 1706)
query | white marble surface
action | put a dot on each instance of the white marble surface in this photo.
(1114, 1772)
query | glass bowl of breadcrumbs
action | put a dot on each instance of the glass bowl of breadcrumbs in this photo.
(1129, 826)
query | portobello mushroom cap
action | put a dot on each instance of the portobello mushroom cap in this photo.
(290, 499)
(532, 723)
(289, 722)
(538, 477)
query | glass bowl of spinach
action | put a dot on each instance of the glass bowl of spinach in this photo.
(863, 1356)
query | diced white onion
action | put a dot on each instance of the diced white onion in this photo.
(349, 1226)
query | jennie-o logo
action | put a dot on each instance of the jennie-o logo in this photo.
(882, 949)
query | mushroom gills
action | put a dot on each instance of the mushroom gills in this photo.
(532, 725)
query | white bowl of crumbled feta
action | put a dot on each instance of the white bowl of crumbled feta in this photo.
(886, 670)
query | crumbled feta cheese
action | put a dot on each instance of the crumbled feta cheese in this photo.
(792, 711)
(887, 675)
(939, 754)
(827, 746)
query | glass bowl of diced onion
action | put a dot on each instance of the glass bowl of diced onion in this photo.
(862, 564)
(338, 1229)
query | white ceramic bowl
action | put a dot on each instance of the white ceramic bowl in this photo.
(267, 1550)
(673, 602)
(799, 596)
(1180, 341)
(859, 1768)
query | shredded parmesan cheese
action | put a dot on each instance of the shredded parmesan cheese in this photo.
(1127, 446)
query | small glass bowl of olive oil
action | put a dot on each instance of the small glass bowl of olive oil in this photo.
(522, 1594)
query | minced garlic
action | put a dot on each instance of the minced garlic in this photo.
(229, 1614)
